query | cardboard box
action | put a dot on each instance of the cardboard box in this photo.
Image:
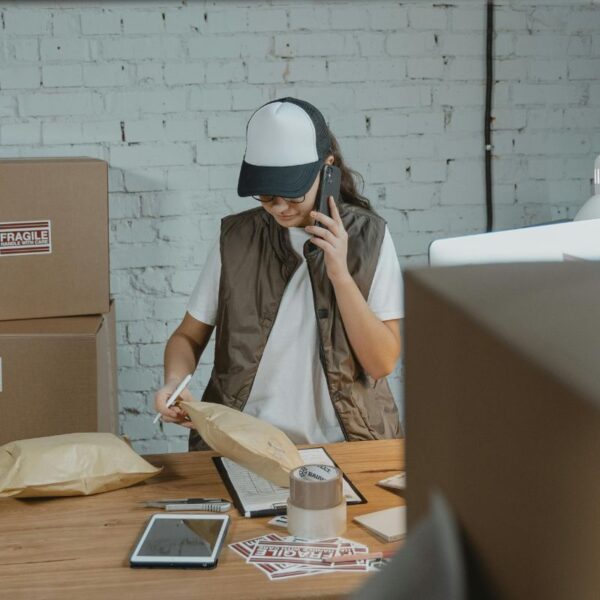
(58, 376)
(53, 237)
(503, 417)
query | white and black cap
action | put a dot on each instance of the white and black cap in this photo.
(287, 141)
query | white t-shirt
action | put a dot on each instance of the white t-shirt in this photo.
(290, 389)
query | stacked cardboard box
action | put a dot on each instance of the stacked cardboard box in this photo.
(57, 323)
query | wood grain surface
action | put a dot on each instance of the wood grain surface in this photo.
(79, 547)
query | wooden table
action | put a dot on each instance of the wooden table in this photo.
(79, 547)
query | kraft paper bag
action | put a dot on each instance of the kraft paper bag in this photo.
(256, 445)
(73, 464)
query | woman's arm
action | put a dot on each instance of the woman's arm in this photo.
(182, 353)
(376, 343)
(184, 348)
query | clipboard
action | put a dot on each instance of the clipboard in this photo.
(254, 496)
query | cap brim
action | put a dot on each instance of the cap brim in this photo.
(290, 182)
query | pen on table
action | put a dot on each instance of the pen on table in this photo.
(344, 558)
(182, 385)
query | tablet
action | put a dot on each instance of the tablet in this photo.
(182, 540)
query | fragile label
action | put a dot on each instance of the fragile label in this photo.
(25, 237)
(265, 552)
(302, 557)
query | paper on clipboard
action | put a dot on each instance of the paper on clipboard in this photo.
(258, 496)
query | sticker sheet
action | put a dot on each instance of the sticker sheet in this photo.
(285, 557)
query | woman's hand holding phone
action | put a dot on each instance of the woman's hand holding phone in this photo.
(332, 238)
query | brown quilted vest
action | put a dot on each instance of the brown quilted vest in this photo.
(257, 261)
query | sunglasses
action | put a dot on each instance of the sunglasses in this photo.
(266, 199)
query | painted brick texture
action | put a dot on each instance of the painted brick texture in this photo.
(163, 90)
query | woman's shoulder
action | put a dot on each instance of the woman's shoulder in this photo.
(247, 219)
(353, 214)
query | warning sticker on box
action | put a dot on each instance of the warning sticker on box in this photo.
(25, 237)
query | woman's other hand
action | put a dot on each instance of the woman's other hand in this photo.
(173, 414)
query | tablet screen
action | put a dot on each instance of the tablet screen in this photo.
(181, 537)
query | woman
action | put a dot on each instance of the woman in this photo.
(305, 334)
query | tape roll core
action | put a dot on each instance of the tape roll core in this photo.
(316, 487)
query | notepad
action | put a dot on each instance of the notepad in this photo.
(395, 482)
(255, 496)
(388, 524)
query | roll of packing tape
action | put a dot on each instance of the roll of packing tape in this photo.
(316, 506)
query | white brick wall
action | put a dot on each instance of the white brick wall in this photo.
(163, 90)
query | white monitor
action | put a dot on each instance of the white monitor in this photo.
(575, 240)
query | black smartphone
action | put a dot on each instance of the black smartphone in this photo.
(331, 178)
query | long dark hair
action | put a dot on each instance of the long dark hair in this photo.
(351, 179)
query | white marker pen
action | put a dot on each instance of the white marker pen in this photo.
(174, 395)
